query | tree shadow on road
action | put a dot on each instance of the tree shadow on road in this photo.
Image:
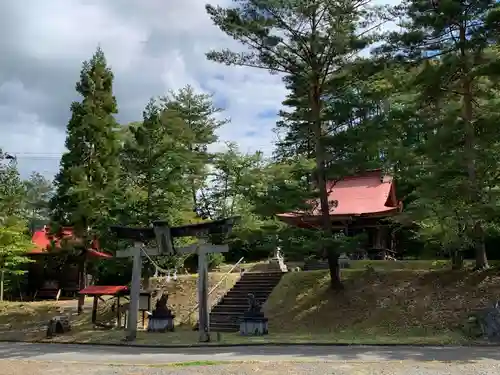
(112, 354)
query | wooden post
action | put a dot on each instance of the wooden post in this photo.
(202, 249)
(94, 309)
(118, 313)
(135, 292)
(2, 278)
(203, 317)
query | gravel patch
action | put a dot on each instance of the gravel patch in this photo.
(484, 367)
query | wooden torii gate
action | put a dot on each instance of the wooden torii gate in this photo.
(164, 236)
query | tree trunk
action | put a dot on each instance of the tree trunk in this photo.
(332, 256)
(457, 260)
(470, 154)
(480, 248)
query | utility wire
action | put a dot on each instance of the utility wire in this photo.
(33, 155)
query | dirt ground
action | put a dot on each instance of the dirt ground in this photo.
(263, 368)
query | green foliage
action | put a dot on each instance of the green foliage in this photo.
(200, 118)
(446, 49)
(39, 191)
(313, 44)
(14, 244)
(86, 185)
(423, 106)
(14, 239)
(152, 168)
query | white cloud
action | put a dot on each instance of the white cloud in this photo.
(153, 46)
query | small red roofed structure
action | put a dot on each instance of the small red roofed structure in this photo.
(56, 270)
(359, 202)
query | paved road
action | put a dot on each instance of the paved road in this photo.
(157, 356)
(35, 359)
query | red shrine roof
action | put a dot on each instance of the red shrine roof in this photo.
(368, 194)
(43, 240)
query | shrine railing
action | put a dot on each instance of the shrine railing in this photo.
(223, 278)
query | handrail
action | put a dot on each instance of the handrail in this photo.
(216, 286)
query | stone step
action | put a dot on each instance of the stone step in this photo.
(224, 327)
(261, 276)
(226, 315)
(244, 279)
(259, 279)
(227, 319)
(253, 291)
(255, 284)
(241, 299)
(227, 311)
(245, 292)
(229, 306)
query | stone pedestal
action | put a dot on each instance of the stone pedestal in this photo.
(253, 323)
(254, 326)
(162, 319)
(486, 323)
(58, 325)
(164, 324)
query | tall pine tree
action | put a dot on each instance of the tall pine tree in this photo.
(200, 118)
(311, 40)
(452, 44)
(89, 169)
(153, 162)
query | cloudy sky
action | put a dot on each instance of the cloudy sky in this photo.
(152, 46)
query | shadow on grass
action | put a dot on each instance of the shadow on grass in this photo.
(405, 306)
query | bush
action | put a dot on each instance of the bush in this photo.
(215, 260)
(438, 264)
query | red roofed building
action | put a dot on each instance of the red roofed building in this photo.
(56, 268)
(359, 202)
(46, 242)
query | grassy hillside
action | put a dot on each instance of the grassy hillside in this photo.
(388, 306)
(183, 293)
(374, 305)
(27, 320)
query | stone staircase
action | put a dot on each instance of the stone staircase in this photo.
(225, 316)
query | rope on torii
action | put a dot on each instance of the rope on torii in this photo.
(163, 270)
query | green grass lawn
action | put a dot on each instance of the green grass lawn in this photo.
(188, 337)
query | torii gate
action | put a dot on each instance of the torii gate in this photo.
(164, 236)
